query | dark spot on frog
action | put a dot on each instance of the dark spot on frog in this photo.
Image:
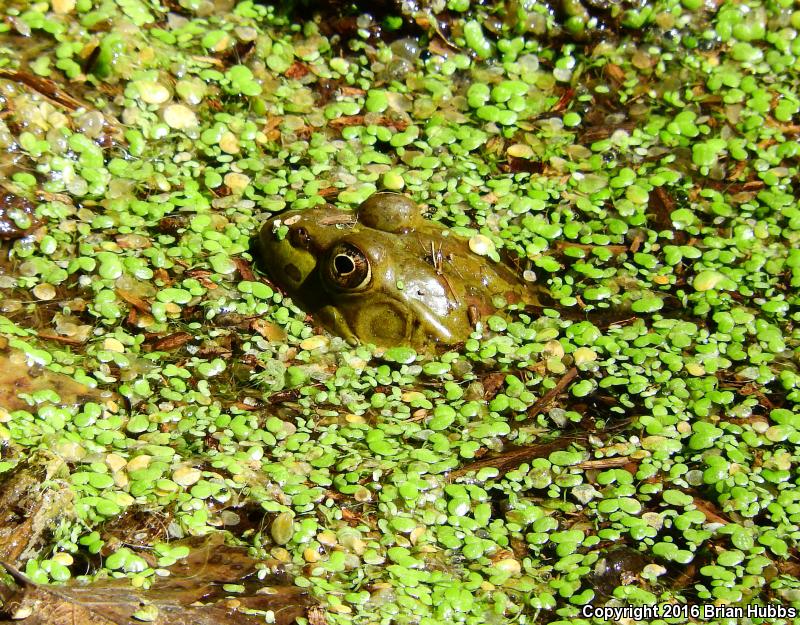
(293, 272)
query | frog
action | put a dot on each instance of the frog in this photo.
(385, 275)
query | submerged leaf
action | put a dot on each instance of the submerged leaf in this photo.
(18, 376)
(192, 594)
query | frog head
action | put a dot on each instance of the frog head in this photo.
(384, 274)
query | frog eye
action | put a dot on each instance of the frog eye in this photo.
(348, 267)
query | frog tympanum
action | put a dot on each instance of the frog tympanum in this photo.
(385, 275)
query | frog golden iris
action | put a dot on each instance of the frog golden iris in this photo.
(384, 274)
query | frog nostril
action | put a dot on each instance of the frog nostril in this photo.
(299, 238)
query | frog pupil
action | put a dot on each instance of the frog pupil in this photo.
(344, 264)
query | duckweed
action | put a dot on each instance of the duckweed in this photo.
(643, 176)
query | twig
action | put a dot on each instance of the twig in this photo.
(545, 400)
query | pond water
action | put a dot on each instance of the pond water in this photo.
(633, 442)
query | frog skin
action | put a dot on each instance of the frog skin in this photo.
(385, 275)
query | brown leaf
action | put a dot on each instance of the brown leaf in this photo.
(661, 205)
(211, 560)
(267, 329)
(52, 336)
(191, 595)
(53, 92)
(517, 165)
(134, 300)
(614, 73)
(244, 269)
(328, 192)
(604, 463)
(17, 377)
(297, 70)
(603, 131)
(637, 241)
(358, 120)
(45, 87)
(564, 100)
(171, 341)
(352, 91)
(784, 568)
(161, 275)
(171, 224)
(492, 383)
(512, 457)
(711, 512)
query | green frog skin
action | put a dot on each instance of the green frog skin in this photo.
(385, 275)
